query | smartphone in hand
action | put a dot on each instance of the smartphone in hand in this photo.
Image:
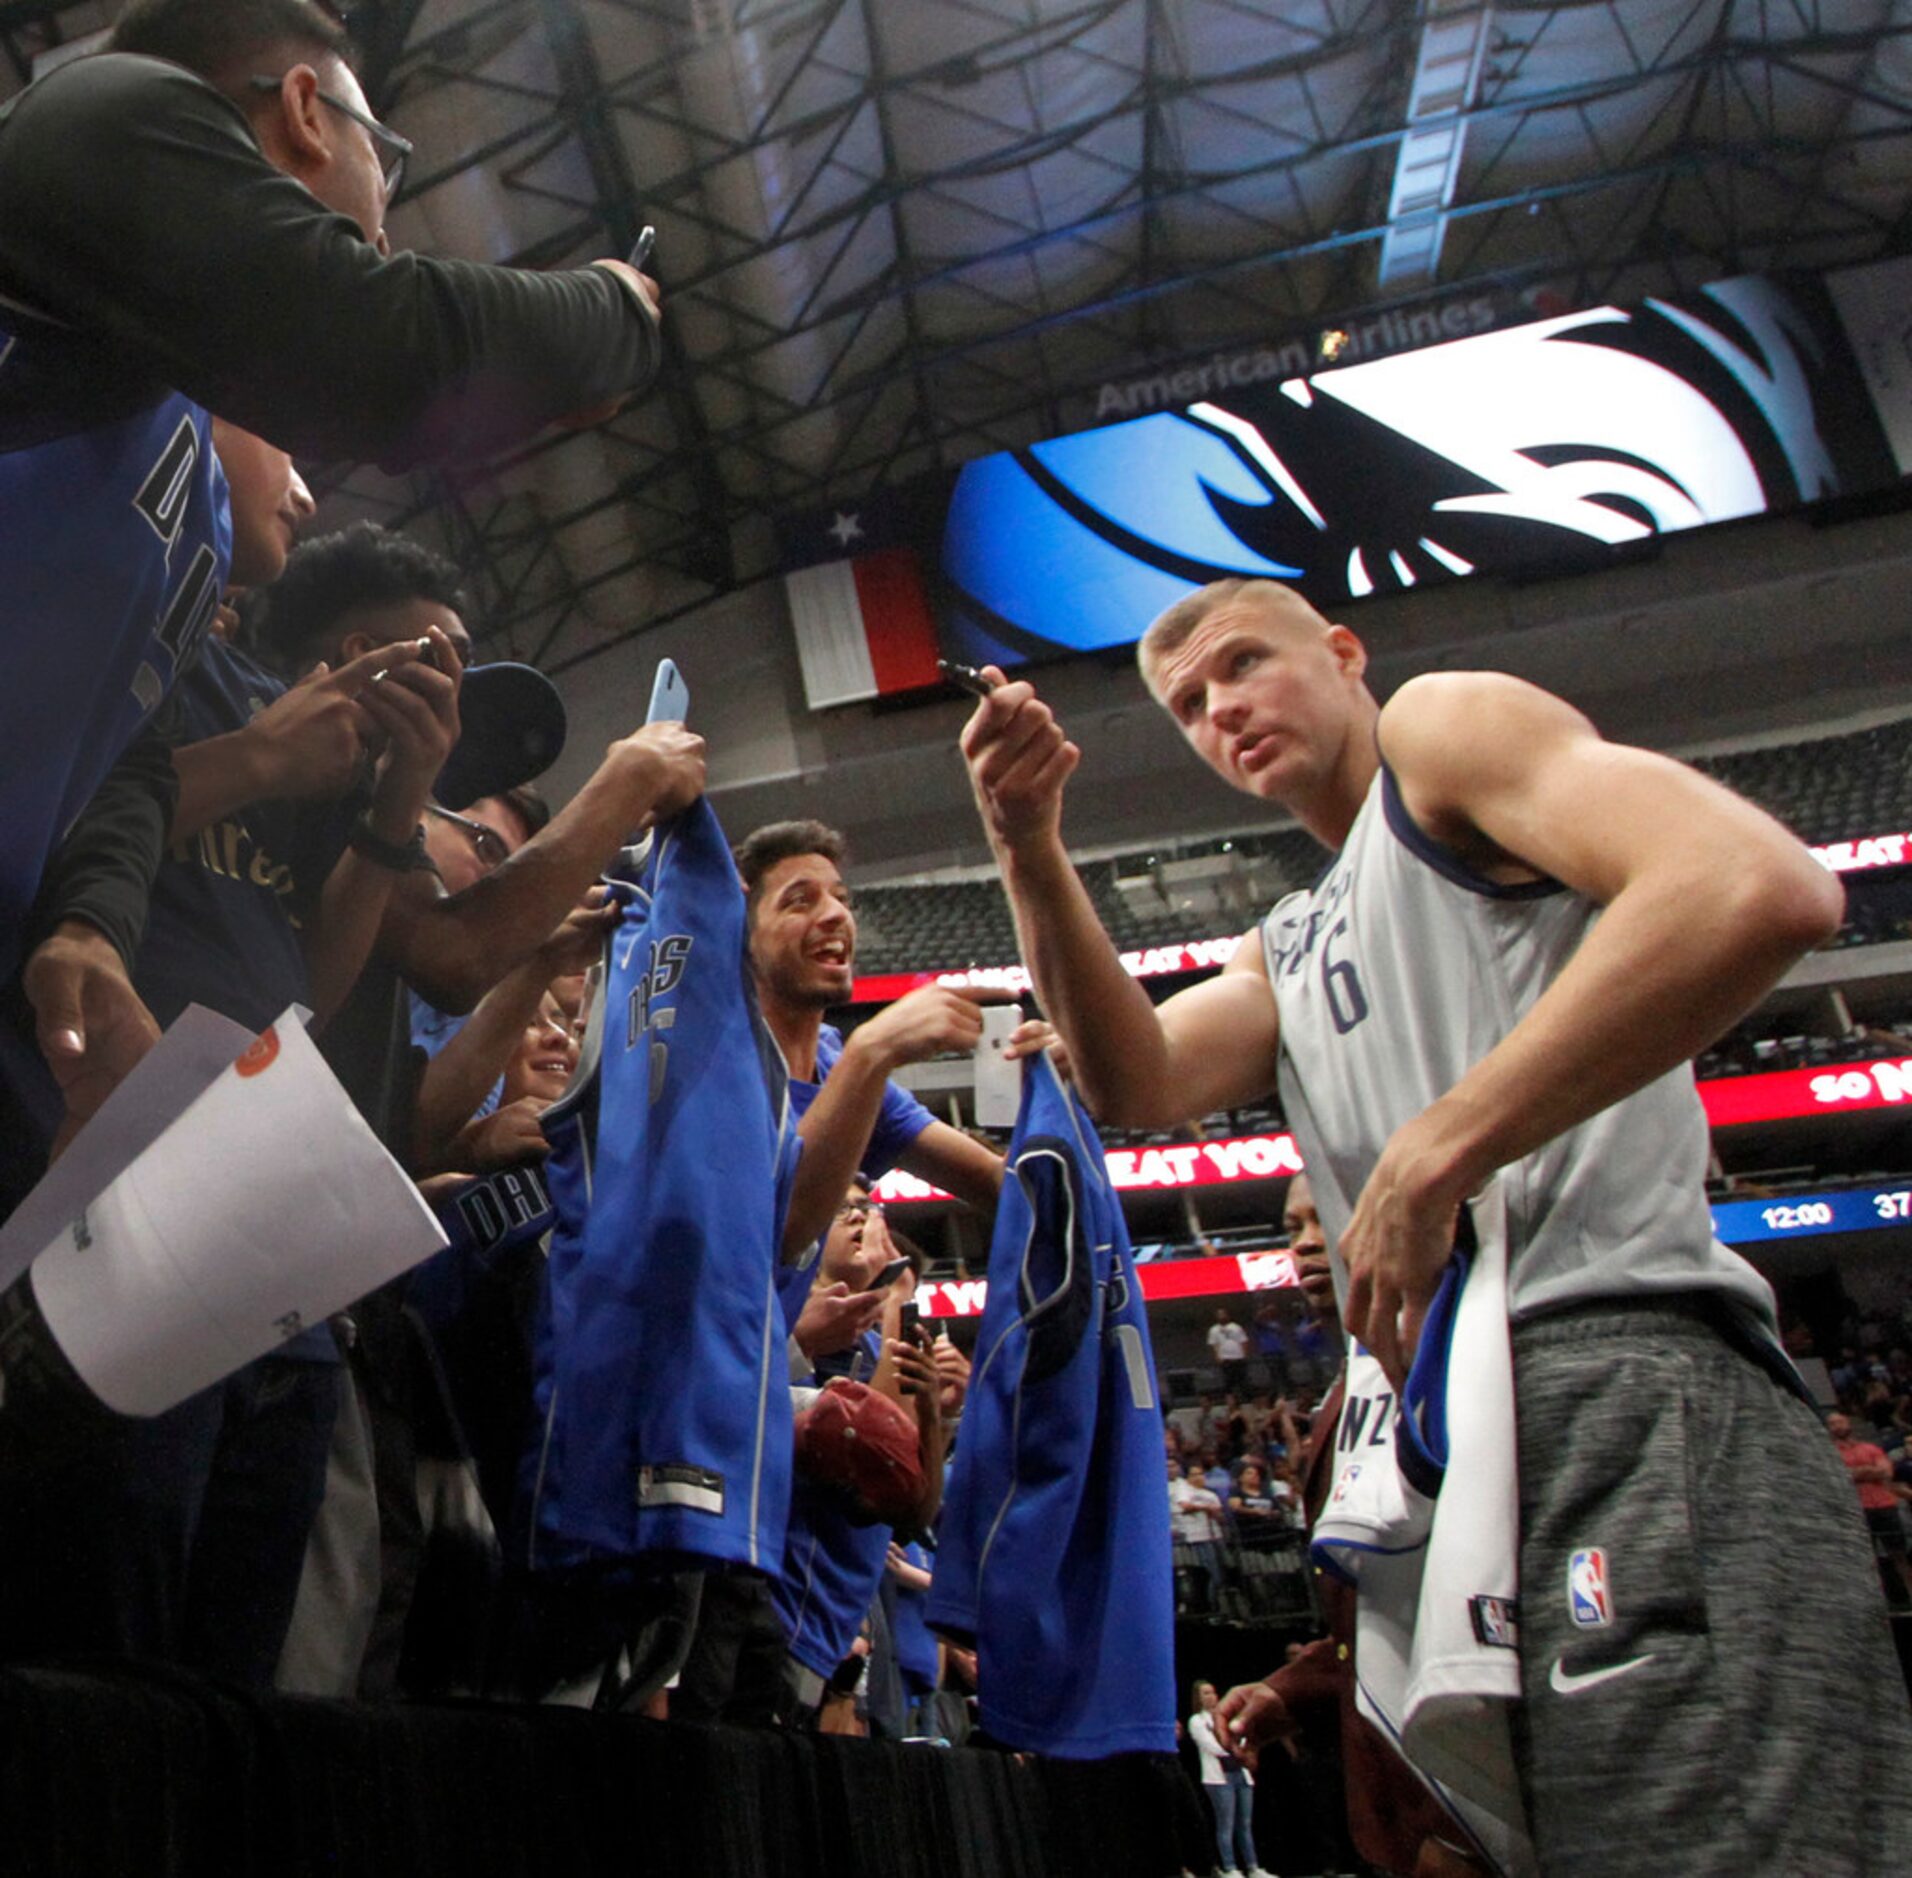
(670, 696)
(966, 677)
(998, 1083)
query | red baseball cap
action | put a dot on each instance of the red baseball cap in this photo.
(866, 1445)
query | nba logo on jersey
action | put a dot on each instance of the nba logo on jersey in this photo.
(1496, 1622)
(1345, 1485)
(1587, 1597)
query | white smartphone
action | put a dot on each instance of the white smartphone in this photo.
(998, 1084)
(670, 696)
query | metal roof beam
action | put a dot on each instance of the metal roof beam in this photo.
(1427, 160)
(585, 106)
(1681, 162)
(1128, 206)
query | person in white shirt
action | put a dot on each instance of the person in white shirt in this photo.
(1229, 1344)
(1230, 1789)
(1195, 1513)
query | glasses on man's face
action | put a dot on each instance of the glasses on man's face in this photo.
(392, 148)
(857, 1209)
(487, 843)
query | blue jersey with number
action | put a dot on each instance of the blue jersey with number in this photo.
(664, 1405)
(117, 540)
(1053, 1548)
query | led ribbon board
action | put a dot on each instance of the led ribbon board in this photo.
(1738, 1223)
(1730, 1102)
(1858, 855)
(1805, 1215)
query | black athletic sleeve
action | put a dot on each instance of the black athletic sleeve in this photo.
(136, 208)
(103, 870)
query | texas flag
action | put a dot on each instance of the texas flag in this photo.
(863, 622)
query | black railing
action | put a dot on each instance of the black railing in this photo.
(1258, 1574)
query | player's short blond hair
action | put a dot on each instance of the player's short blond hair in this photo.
(1173, 627)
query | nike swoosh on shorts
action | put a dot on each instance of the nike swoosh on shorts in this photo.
(1564, 1683)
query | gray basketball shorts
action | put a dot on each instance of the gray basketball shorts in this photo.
(1708, 1680)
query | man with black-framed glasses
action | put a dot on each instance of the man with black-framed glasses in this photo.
(489, 848)
(388, 146)
(193, 223)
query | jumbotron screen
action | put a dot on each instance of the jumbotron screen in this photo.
(1542, 446)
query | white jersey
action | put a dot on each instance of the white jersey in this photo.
(1423, 1519)
(1393, 977)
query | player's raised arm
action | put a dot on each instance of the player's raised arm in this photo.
(1707, 901)
(1137, 1067)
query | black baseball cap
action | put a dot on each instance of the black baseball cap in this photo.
(512, 727)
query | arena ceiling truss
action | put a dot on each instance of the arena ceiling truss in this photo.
(895, 234)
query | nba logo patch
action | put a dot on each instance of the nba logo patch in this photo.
(1345, 1484)
(1587, 1596)
(1496, 1622)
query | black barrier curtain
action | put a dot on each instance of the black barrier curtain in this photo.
(162, 1774)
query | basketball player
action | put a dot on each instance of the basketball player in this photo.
(1525, 935)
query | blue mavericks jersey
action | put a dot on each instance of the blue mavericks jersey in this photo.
(1053, 1548)
(664, 1408)
(117, 541)
(473, 1305)
(832, 1564)
(487, 1222)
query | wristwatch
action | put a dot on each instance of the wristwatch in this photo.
(402, 857)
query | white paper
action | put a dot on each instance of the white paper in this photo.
(260, 1209)
(998, 1083)
(196, 1050)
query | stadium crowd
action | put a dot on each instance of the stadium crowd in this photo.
(252, 773)
(272, 781)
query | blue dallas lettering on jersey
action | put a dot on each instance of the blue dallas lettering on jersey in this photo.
(484, 1220)
(119, 539)
(1053, 1549)
(665, 1430)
